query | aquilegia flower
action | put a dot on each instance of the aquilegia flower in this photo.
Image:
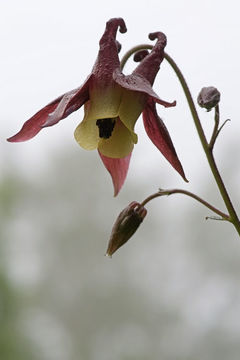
(112, 104)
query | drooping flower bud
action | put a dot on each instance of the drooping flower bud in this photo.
(208, 97)
(125, 226)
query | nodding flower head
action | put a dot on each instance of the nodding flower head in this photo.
(112, 104)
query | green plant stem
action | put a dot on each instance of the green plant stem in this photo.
(188, 193)
(209, 154)
(233, 218)
(215, 129)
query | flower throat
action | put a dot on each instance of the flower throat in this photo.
(105, 127)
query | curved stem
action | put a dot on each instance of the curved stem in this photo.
(233, 218)
(232, 213)
(188, 193)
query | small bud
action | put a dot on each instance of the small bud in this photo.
(208, 97)
(125, 226)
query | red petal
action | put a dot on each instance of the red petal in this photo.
(160, 137)
(118, 169)
(52, 113)
(32, 126)
(150, 65)
(70, 102)
(108, 60)
(135, 82)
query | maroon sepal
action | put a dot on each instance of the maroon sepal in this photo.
(160, 137)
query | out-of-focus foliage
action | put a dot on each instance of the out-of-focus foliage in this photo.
(171, 292)
(13, 341)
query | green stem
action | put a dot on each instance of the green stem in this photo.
(209, 154)
(215, 129)
(188, 193)
(233, 218)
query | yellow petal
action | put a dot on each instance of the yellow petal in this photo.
(132, 104)
(86, 134)
(105, 101)
(110, 102)
(119, 145)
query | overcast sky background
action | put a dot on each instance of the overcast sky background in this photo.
(49, 47)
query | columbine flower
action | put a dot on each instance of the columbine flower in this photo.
(112, 104)
(125, 226)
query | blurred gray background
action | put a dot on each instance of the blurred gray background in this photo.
(172, 292)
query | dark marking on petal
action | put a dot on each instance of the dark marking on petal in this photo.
(105, 127)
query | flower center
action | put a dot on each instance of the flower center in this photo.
(105, 127)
